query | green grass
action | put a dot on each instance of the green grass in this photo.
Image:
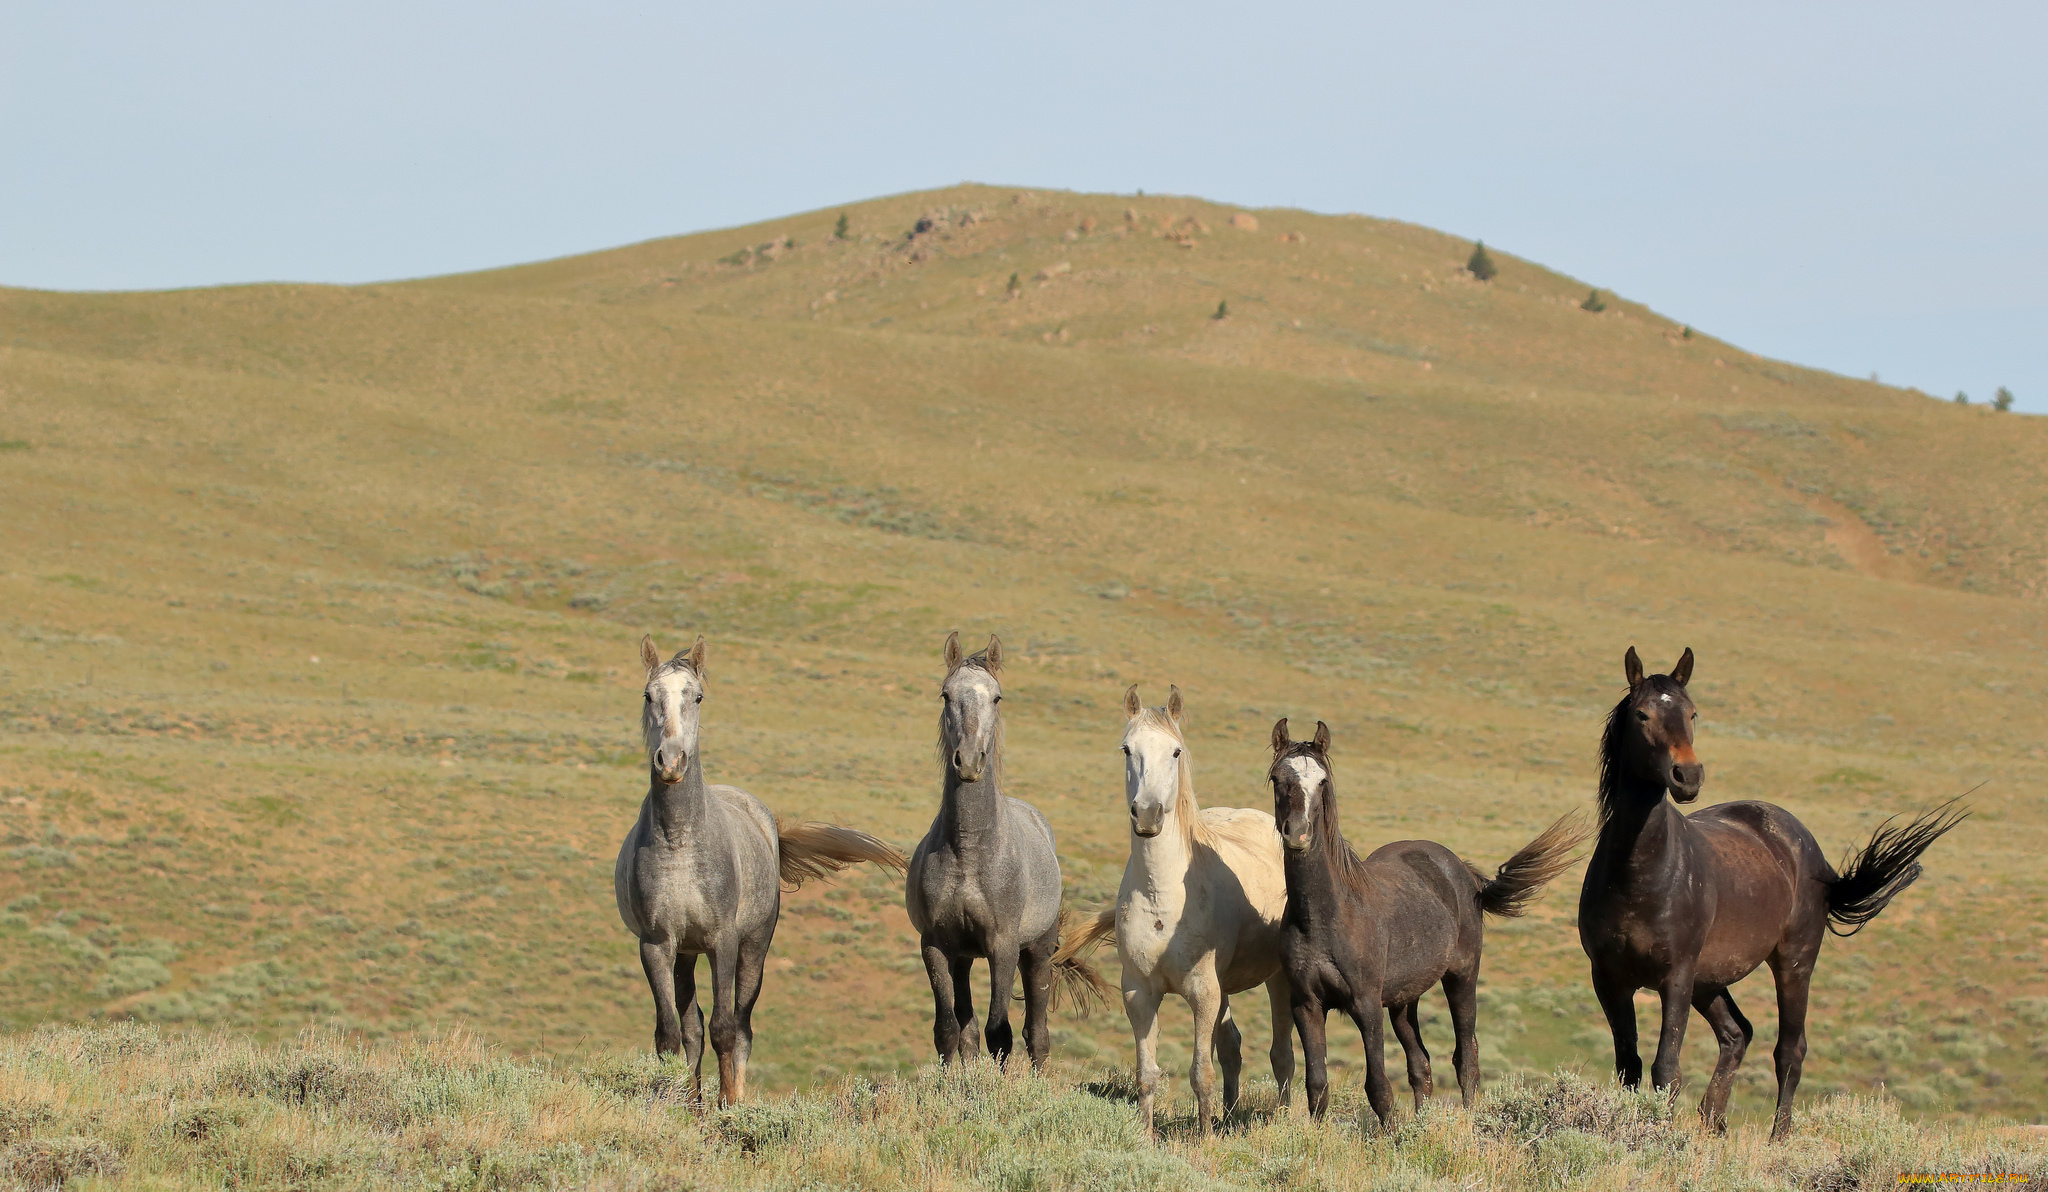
(1428, 511)
(131, 1107)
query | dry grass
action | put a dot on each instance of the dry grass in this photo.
(130, 1104)
(1433, 513)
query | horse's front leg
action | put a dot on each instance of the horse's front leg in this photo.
(1309, 1021)
(658, 961)
(938, 969)
(1676, 993)
(693, 1019)
(1141, 1006)
(1365, 1011)
(1618, 1001)
(1002, 979)
(725, 1026)
(1205, 999)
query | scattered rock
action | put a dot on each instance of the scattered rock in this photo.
(1087, 224)
(1245, 221)
(1293, 238)
(1052, 271)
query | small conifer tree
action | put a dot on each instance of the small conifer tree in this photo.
(1015, 287)
(840, 229)
(1481, 265)
(1593, 302)
(2002, 400)
(1962, 399)
(1222, 310)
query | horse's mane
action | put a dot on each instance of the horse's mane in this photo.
(1611, 737)
(944, 748)
(1192, 830)
(1343, 858)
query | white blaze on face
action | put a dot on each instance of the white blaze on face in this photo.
(1309, 772)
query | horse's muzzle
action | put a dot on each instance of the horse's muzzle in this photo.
(969, 769)
(1686, 780)
(1297, 843)
(669, 763)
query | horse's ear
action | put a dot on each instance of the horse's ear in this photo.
(694, 656)
(1633, 667)
(994, 654)
(1132, 704)
(1322, 741)
(1280, 741)
(1681, 673)
(953, 651)
(649, 656)
(1173, 704)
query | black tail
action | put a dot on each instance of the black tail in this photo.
(1887, 865)
(1522, 877)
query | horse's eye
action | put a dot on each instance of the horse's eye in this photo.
(1176, 753)
(999, 699)
(700, 697)
(1643, 716)
(647, 697)
(1694, 716)
(1127, 751)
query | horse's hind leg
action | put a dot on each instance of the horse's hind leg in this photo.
(1002, 978)
(1278, 995)
(1036, 961)
(938, 968)
(965, 1028)
(692, 1019)
(1732, 1031)
(1408, 1029)
(658, 961)
(747, 991)
(1618, 1001)
(1229, 1054)
(1461, 990)
(1794, 975)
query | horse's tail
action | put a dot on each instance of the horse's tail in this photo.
(1074, 981)
(1887, 865)
(1522, 877)
(807, 849)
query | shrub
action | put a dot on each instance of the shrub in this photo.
(1015, 288)
(2002, 400)
(1594, 302)
(1480, 265)
(841, 230)
(1222, 310)
(1962, 399)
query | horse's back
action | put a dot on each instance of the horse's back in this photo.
(1427, 911)
(1747, 830)
(1248, 844)
(1770, 882)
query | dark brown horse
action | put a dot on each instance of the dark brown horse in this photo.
(1689, 905)
(1359, 936)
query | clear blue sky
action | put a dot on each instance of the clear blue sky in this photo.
(1852, 185)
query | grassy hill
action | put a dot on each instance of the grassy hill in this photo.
(318, 609)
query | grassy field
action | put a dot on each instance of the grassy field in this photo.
(318, 612)
(128, 1106)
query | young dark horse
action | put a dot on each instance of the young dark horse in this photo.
(1361, 935)
(1689, 905)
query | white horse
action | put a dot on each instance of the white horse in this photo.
(1198, 914)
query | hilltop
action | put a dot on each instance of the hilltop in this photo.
(317, 653)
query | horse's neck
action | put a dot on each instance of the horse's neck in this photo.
(1314, 887)
(971, 811)
(1160, 863)
(679, 807)
(1642, 835)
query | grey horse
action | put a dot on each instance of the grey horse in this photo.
(985, 881)
(702, 873)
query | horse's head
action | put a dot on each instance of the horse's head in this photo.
(970, 723)
(668, 716)
(1650, 734)
(1154, 760)
(1301, 781)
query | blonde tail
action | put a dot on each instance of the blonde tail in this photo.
(807, 849)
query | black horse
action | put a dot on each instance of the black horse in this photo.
(1689, 905)
(1363, 935)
